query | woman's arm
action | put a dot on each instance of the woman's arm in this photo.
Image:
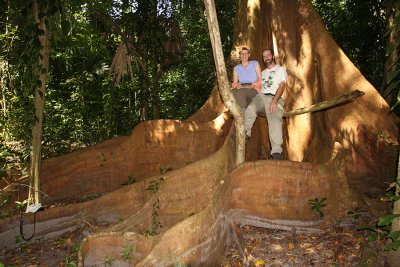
(235, 82)
(257, 84)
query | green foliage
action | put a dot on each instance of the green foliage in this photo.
(128, 253)
(109, 260)
(93, 196)
(153, 188)
(162, 170)
(359, 28)
(6, 198)
(355, 214)
(387, 219)
(317, 204)
(130, 180)
(21, 205)
(18, 239)
(72, 259)
(83, 106)
(382, 231)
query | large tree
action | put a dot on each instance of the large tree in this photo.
(189, 209)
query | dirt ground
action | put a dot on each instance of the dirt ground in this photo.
(341, 245)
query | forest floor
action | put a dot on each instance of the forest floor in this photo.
(341, 245)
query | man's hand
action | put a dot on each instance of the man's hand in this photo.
(257, 86)
(273, 106)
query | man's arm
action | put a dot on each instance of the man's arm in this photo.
(274, 102)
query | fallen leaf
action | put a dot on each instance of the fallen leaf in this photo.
(310, 249)
(260, 263)
(290, 246)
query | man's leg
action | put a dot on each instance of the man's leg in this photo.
(275, 126)
(250, 115)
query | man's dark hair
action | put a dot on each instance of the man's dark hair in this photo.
(271, 50)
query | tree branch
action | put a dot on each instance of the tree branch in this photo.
(341, 99)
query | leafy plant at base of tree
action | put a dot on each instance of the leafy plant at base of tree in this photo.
(355, 214)
(130, 180)
(382, 230)
(72, 258)
(21, 205)
(109, 260)
(153, 188)
(317, 204)
(128, 253)
(162, 170)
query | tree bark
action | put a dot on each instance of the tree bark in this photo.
(156, 90)
(387, 91)
(223, 83)
(44, 39)
(3, 90)
(144, 91)
(394, 256)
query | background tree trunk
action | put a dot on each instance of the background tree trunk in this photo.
(156, 90)
(144, 91)
(44, 39)
(392, 50)
(3, 90)
(394, 256)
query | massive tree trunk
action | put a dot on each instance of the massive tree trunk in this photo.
(340, 153)
(34, 196)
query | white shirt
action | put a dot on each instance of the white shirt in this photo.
(272, 78)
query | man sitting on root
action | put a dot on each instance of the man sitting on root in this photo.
(270, 101)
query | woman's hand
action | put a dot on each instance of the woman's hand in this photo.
(235, 85)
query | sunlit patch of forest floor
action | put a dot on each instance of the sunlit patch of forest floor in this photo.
(341, 245)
